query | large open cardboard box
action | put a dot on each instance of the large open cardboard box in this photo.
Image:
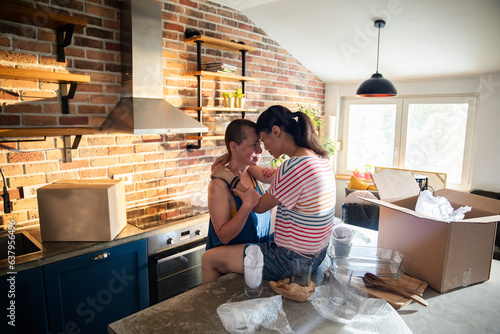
(445, 255)
(82, 210)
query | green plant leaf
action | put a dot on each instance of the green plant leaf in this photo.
(315, 116)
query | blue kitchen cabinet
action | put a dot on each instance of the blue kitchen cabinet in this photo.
(86, 293)
(23, 301)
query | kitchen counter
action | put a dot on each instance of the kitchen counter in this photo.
(57, 251)
(473, 309)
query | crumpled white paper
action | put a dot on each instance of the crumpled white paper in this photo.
(439, 207)
(247, 316)
(361, 314)
(253, 263)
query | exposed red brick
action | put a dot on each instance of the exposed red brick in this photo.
(188, 3)
(14, 157)
(40, 120)
(73, 120)
(101, 11)
(161, 163)
(92, 173)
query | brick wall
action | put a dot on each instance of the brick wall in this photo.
(163, 169)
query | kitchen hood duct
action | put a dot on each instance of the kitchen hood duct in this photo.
(142, 109)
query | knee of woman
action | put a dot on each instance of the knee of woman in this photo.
(205, 258)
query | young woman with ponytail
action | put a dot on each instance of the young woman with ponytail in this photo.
(304, 191)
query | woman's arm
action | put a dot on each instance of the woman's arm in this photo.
(264, 175)
(265, 203)
(219, 207)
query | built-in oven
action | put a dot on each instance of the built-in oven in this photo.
(174, 261)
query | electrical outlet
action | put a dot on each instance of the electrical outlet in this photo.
(127, 178)
(30, 191)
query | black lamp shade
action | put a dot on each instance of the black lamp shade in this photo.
(376, 86)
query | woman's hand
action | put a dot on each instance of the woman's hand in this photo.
(220, 171)
(249, 197)
(221, 160)
(269, 172)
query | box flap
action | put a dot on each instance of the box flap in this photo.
(485, 219)
(399, 208)
(459, 198)
(395, 184)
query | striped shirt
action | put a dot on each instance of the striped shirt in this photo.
(305, 187)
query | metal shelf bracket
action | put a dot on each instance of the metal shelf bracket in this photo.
(68, 146)
(64, 36)
(67, 95)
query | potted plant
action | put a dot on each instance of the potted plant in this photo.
(228, 99)
(239, 98)
(368, 171)
(358, 174)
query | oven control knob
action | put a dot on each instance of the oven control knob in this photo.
(170, 240)
(199, 232)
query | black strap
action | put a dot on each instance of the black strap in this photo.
(220, 178)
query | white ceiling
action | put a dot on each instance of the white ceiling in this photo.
(336, 39)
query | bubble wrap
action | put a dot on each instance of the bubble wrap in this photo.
(361, 314)
(247, 316)
(253, 263)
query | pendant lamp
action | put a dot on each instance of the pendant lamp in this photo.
(377, 85)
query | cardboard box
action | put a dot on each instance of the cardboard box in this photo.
(82, 210)
(445, 255)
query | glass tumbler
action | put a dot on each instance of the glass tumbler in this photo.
(340, 283)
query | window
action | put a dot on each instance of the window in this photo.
(428, 134)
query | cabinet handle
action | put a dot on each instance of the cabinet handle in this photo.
(101, 256)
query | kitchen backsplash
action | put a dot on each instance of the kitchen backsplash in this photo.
(163, 169)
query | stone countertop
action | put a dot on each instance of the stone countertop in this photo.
(195, 311)
(55, 251)
(472, 309)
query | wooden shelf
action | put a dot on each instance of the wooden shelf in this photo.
(220, 75)
(47, 131)
(215, 43)
(220, 44)
(58, 77)
(32, 16)
(221, 109)
(207, 137)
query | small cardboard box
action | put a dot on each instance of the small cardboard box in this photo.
(82, 210)
(445, 255)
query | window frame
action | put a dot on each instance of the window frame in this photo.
(399, 150)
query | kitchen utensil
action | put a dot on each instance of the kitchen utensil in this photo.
(377, 281)
(397, 301)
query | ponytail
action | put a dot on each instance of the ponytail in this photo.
(297, 124)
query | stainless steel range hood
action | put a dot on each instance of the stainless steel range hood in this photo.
(142, 109)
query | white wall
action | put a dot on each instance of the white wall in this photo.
(486, 164)
(487, 144)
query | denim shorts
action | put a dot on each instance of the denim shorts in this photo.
(278, 260)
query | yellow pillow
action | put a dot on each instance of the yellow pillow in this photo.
(355, 183)
(372, 187)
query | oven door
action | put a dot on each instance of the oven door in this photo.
(175, 270)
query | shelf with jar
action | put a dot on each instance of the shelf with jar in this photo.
(194, 37)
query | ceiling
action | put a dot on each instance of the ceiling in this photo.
(337, 41)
